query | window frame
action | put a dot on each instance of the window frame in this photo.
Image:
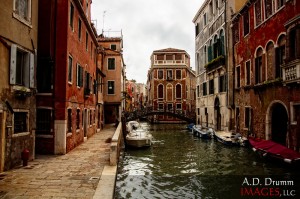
(70, 69)
(24, 19)
(111, 65)
(112, 89)
(71, 16)
(238, 76)
(48, 121)
(158, 74)
(26, 130)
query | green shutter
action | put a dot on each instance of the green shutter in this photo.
(209, 54)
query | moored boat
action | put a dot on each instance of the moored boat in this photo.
(136, 136)
(189, 127)
(229, 138)
(203, 132)
(273, 150)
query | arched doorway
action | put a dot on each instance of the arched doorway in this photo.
(217, 114)
(279, 126)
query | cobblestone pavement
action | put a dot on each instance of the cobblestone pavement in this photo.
(74, 175)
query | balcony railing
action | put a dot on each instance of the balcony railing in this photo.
(215, 63)
(167, 62)
(291, 72)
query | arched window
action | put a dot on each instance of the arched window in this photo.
(259, 66)
(178, 91)
(210, 52)
(216, 47)
(205, 55)
(270, 55)
(280, 55)
(222, 44)
(160, 91)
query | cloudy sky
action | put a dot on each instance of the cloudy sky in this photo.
(148, 25)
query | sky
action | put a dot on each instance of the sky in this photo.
(147, 25)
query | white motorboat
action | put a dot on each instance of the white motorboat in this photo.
(136, 136)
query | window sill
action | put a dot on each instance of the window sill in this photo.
(22, 20)
(21, 134)
(44, 136)
(69, 134)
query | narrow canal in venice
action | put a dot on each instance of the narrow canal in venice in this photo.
(179, 165)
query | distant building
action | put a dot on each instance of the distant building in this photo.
(170, 83)
(214, 96)
(18, 48)
(267, 70)
(114, 84)
(66, 76)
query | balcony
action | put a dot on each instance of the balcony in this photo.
(168, 62)
(215, 63)
(291, 72)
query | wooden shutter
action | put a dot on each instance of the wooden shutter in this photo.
(209, 54)
(31, 70)
(13, 63)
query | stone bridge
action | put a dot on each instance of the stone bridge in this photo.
(138, 114)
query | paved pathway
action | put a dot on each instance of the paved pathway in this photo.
(74, 175)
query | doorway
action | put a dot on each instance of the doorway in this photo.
(279, 126)
(217, 114)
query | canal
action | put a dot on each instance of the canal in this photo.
(179, 165)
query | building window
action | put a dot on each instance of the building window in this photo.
(160, 106)
(113, 46)
(247, 70)
(78, 119)
(294, 43)
(238, 77)
(204, 19)
(280, 3)
(270, 65)
(111, 64)
(86, 41)
(79, 76)
(258, 13)
(22, 67)
(79, 29)
(70, 69)
(111, 87)
(211, 86)
(198, 91)
(43, 121)
(222, 83)
(69, 120)
(280, 55)
(87, 84)
(178, 74)
(160, 74)
(72, 16)
(269, 8)
(258, 66)
(246, 23)
(160, 90)
(198, 111)
(204, 85)
(23, 9)
(20, 122)
(169, 74)
(178, 91)
(178, 107)
(247, 117)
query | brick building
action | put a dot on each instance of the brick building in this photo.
(266, 36)
(18, 47)
(114, 84)
(171, 83)
(66, 76)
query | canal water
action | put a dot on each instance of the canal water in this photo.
(179, 165)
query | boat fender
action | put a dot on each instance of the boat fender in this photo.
(287, 160)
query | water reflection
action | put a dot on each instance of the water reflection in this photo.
(181, 166)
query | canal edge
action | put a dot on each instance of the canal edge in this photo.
(106, 185)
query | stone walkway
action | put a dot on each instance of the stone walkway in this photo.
(74, 175)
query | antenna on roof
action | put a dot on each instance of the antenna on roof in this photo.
(103, 21)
